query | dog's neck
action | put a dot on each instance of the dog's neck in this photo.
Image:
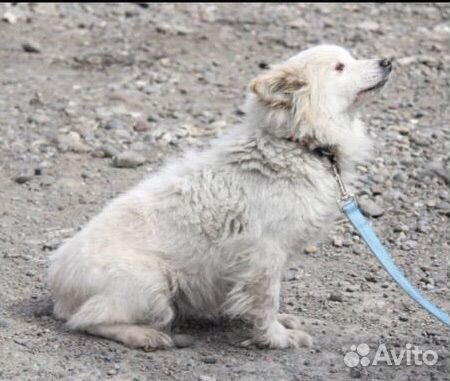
(328, 152)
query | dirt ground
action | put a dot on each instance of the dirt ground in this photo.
(95, 96)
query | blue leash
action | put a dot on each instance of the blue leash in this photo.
(350, 208)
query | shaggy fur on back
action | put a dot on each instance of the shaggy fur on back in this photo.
(209, 235)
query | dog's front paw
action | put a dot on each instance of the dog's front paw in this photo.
(298, 338)
(278, 337)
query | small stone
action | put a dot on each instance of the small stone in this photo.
(22, 179)
(409, 245)
(71, 142)
(297, 24)
(403, 318)
(419, 140)
(371, 26)
(377, 189)
(353, 288)
(128, 159)
(4, 323)
(336, 297)
(105, 151)
(163, 28)
(46, 181)
(9, 17)
(311, 249)
(204, 377)
(112, 372)
(182, 30)
(51, 245)
(371, 279)
(431, 203)
(183, 341)
(31, 47)
(240, 112)
(370, 208)
(403, 130)
(113, 124)
(338, 242)
(292, 275)
(141, 126)
(442, 31)
(400, 177)
(209, 360)
(165, 139)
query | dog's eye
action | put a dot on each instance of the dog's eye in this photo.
(339, 67)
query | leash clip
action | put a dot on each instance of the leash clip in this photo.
(344, 195)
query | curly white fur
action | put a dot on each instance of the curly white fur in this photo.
(209, 235)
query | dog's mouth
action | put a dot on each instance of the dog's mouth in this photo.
(377, 86)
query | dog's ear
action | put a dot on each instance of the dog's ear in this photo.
(277, 86)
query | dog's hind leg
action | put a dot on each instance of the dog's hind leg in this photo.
(133, 307)
(254, 272)
(133, 336)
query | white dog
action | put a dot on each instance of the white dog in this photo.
(209, 235)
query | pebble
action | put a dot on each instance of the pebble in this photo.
(209, 360)
(71, 142)
(51, 245)
(353, 288)
(311, 249)
(165, 139)
(338, 242)
(9, 17)
(292, 275)
(4, 323)
(371, 279)
(370, 208)
(442, 31)
(22, 179)
(105, 151)
(336, 297)
(141, 125)
(400, 177)
(204, 377)
(113, 124)
(128, 159)
(183, 341)
(419, 139)
(31, 47)
(377, 189)
(371, 26)
(431, 203)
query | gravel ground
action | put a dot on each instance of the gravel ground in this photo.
(95, 96)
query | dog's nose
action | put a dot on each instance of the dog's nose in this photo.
(386, 64)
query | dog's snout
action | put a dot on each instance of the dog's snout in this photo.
(385, 64)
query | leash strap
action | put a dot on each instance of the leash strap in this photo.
(353, 213)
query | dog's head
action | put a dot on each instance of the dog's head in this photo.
(318, 84)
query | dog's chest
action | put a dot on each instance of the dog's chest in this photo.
(296, 210)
